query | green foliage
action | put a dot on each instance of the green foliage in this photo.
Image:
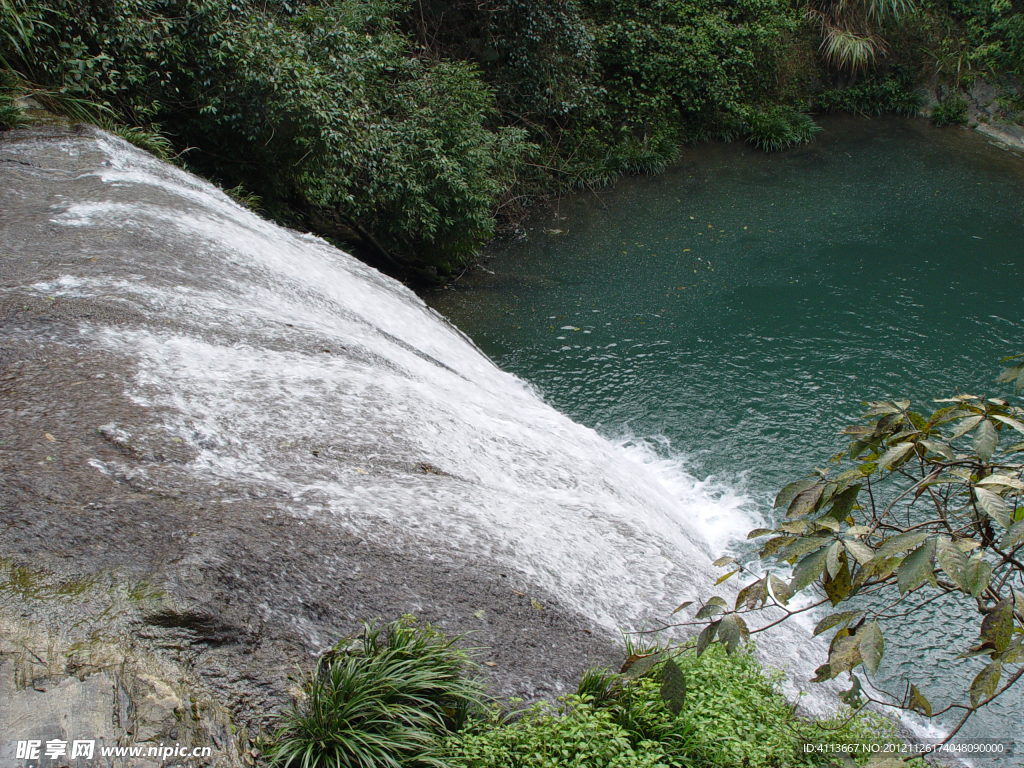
(732, 713)
(324, 112)
(357, 130)
(380, 699)
(572, 734)
(148, 139)
(922, 506)
(984, 35)
(778, 127)
(950, 111)
(19, 22)
(11, 115)
(849, 29)
(675, 71)
(893, 94)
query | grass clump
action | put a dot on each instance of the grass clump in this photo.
(147, 139)
(379, 699)
(952, 110)
(893, 94)
(11, 115)
(778, 127)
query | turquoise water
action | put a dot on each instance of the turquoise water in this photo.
(735, 312)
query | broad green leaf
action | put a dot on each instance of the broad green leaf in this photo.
(1012, 423)
(977, 575)
(802, 546)
(726, 576)
(880, 409)
(687, 604)
(1009, 374)
(832, 559)
(1003, 481)
(943, 415)
(843, 503)
(732, 632)
(780, 589)
(643, 665)
(673, 687)
(807, 570)
(723, 561)
(966, 426)
(953, 562)
(758, 532)
(835, 619)
(706, 636)
(850, 474)
(860, 551)
(994, 506)
(787, 494)
(984, 685)
(838, 587)
(795, 526)
(940, 448)
(871, 644)
(826, 522)
(1014, 653)
(917, 568)
(871, 568)
(711, 607)
(894, 454)
(997, 627)
(774, 545)
(805, 501)
(822, 673)
(900, 543)
(918, 703)
(985, 440)
(1013, 537)
(844, 654)
(751, 594)
(982, 649)
(852, 699)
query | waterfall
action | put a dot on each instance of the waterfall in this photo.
(280, 368)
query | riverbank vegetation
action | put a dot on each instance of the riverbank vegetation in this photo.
(402, 695)
(917, 523)
(412, 130)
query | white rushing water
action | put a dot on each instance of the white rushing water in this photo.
(295, 372)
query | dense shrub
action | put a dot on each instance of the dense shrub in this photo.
(731, 713)
(323, 111)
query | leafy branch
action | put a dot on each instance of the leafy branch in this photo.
(920, 510)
